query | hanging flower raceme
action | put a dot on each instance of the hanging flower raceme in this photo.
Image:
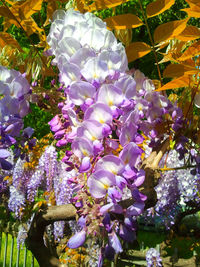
(14, 105)
(106, 116)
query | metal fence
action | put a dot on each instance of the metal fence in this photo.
(12, 256)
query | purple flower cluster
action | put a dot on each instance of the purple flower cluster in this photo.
(176, 187)
(153, 258)
(26, 182)
(14, 105)
(104, 114)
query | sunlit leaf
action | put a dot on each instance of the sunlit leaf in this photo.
(194, 11)
(183, 81)
(30, 26)
(192, 2)
(169, 30)
(29, 7)
(99, 4)
(177, 70)
(136, 50)
(161, 45)
(167, 57)
(125, 21)
(124, 36)
(10, 2)
(158, 7)
(5, 12)
(190, 33)
(192, 51)
(79, 5)
(7, 39)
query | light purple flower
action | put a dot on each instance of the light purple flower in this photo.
(128, 133)
(99, 183)
(91, 130)
(109, 95)
(131, 156)
(111, 164)
(95, 70)
(70, 73)
(80, 91)
(82, 147)
(99, 112)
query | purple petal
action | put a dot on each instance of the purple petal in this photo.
(127, 234)
(114, 194)
(120, 182)
(80, 91)
(109, 252)
(77, 240)
(101, 258)
(85, 165)
(116, 208)
(4, 153)
(140, 178)
(82, 147)
(28, 132)
(115, 243)
(110, 163)
(82, 221)
(99, 112)
(5, 165)
(135, 209)
(99, 183)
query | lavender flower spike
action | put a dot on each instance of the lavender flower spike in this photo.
(153, 258)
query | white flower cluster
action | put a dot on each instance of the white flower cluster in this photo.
(84, 48)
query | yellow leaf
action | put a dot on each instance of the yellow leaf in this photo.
(79, 5)
(192, 2)
(158, 7)
(192, 51)
(190, 33)
(124, 36)
(29, 7)
(173, 51)
(99, 4)
(177, 70)
(125, 21)
(30, 26)
(51, 7)
(7, 39)
(10, 2)
(193, 11)
(183, 81)
(5, 12)
(169, 30)
(136, 50)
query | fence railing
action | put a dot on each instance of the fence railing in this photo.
(12, 256)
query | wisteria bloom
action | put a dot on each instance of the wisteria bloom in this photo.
(104, 119)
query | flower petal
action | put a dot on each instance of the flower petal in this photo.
(77, 240)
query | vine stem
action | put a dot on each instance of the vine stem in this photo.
(177, 168)
(192, 100)
(152, 42)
